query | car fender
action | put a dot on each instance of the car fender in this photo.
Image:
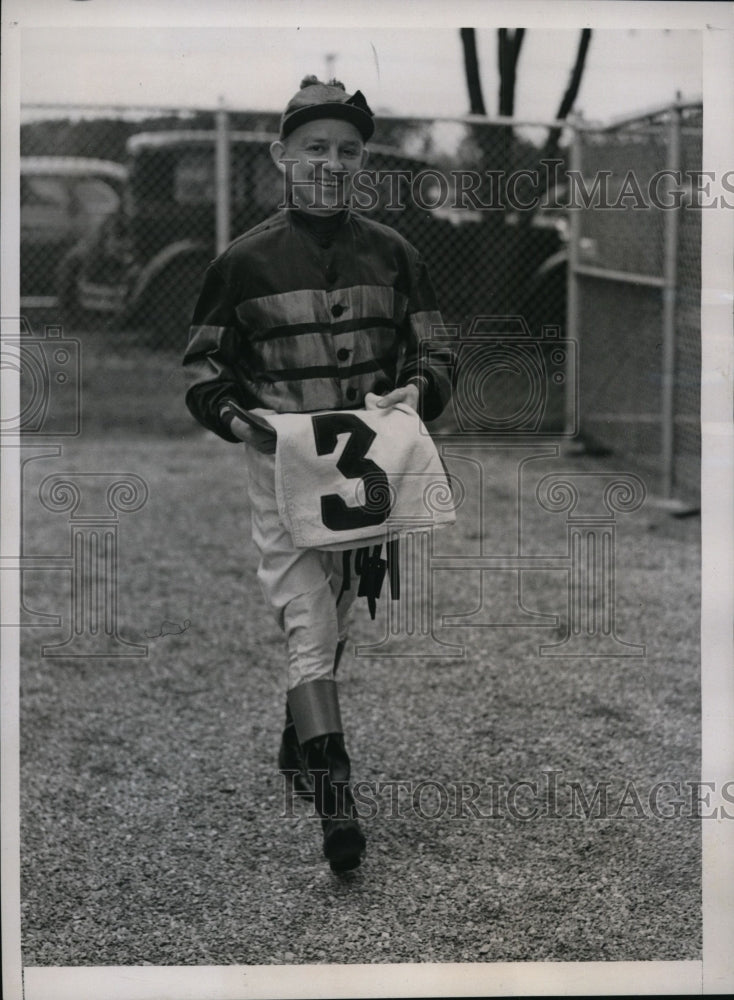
(180, 250)
(555, 260)
(72, 258)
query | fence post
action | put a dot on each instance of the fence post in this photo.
(670, 275)
(221, 173)
(573, 419)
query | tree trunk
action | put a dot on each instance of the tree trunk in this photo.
(482, 134)
(509, 44)
(471, 66)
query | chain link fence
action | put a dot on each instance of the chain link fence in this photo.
(123, 210)
(635, 294)
(195, 180)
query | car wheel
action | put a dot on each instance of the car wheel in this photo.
(67, 277)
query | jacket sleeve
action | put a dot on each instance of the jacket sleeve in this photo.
(427, 360)
(212, 357)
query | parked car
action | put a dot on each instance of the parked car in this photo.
(144, 266)
(63, 200)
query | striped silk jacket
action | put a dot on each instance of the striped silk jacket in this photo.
(292, 322)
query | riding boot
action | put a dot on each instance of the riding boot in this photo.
(291, 763)
(315, 709)
(290, 756)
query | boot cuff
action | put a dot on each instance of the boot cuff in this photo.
(315, 709)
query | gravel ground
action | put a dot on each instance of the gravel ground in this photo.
(156, 830)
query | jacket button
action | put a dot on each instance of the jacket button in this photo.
(351, 393)
(342, 354)
(337, 310)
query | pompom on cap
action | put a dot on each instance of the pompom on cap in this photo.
(327, 100)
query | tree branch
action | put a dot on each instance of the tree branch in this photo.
(567, 102)
(576, 73)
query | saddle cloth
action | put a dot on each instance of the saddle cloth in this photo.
(348, 478)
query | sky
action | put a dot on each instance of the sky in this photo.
(417, 70)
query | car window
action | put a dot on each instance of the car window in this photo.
(45, 215)
(193, 180)
(47, 192)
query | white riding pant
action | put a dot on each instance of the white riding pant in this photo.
(302, 586)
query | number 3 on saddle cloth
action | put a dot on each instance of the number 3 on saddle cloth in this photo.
(354, 480)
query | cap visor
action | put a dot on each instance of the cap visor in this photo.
(344, 112)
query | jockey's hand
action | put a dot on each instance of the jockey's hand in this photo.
(249, 426)
(405, 394)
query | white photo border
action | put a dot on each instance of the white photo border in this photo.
(715, 973)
